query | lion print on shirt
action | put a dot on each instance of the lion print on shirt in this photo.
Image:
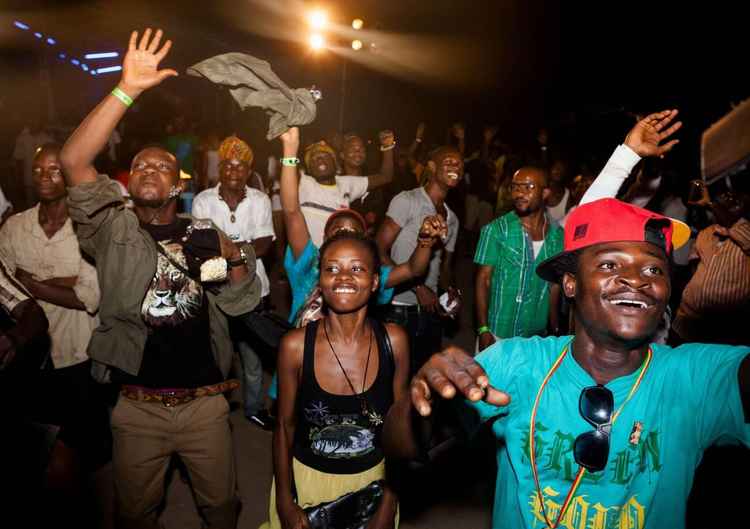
(172, 297)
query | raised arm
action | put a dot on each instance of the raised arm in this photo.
(139, 72)
(297, 233)
(385, 176)
(644, 140)
(433, 228)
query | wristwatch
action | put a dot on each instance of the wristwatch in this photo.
(242, 261)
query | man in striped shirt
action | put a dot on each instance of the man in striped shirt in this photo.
(719, 291)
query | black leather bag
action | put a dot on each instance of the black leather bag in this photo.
(266, 326)
(350, 511)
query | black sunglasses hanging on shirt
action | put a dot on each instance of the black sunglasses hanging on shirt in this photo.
(591, 449)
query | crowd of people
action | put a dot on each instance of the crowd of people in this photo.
(128, 295)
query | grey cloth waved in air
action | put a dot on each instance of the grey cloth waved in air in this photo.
(253, 84)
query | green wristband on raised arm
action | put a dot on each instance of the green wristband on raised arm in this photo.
(122, 96)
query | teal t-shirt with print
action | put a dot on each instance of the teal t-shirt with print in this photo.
(688, 400)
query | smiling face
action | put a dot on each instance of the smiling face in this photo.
(347, 275)
(621, 290)
(48, 177)
(322, 165)
(447, 167)
(152, 174)
(354, 154)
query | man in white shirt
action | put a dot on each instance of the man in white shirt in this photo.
(244, 214)
(28, 141)
(321, 191)
(42, 250)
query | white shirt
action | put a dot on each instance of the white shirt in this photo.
(25, 150)
(610, 179)
(25, 245)
(253, 220)
(318, 201)
(557, 212)
(536, 246)
(4, 203)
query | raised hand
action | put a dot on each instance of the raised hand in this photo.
(449, 373)
(646, 136)
(459, 131)
(140, 66)
(290, 141)
(420, 131)
(433, 228)
(387, 138)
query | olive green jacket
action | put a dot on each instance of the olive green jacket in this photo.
(126, 257)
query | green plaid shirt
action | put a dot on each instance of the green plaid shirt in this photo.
(519, 299)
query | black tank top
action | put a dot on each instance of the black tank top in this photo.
(333, 435)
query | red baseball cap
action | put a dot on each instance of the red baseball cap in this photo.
(610, 220)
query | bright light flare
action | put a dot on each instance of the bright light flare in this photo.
(317, 42)
(318, 19)
(356, 45)
(102, 55)
(109, 69)
(358, 23)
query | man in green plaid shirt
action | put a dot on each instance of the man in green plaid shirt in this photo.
(511, 300)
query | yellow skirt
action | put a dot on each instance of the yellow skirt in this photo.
(315, 487)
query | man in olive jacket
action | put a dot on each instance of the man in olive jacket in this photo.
(164, 334)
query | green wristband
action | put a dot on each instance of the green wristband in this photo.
(122, 96)
(290, 162)
(483, 329)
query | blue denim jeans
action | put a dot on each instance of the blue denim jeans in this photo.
(252, 379)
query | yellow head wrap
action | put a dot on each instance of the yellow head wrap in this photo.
(320, 146)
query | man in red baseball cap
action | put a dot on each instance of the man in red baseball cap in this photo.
(602, 428)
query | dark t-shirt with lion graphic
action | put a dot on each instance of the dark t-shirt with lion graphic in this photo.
(178, 348)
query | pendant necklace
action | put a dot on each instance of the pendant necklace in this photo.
(370, 414)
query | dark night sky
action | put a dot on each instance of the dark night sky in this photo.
(517, 63)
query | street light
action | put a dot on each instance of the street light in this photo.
(318, 19)
(317, 41)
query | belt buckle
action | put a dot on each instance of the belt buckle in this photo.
(169, 399)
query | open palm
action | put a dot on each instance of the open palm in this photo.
(646, 136)
(140, 66)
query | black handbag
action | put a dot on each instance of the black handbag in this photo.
(350, 511)
(266, 326)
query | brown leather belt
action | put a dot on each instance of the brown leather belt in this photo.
(170, 397)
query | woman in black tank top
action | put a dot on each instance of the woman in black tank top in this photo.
(337, 380)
